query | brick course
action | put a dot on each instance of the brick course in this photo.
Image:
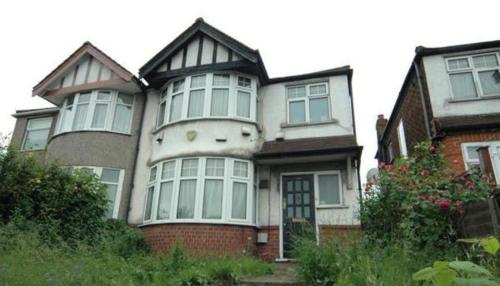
(271, 250)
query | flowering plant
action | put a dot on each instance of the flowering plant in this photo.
(420, 200)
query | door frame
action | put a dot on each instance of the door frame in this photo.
(313, 174)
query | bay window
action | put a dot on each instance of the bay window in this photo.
(96, 110)
(212, 189)
(308, 103)
(474, 76)
(216, 95)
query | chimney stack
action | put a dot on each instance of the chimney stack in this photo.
(380, 126)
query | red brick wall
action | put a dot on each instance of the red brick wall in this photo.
(453, 149)
(270, 250)
(341, 232)
(203, 239)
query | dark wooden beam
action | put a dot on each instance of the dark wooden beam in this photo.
(214, 55)
(230, 56)
(200, 51)
(184, 53)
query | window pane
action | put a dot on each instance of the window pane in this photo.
(178, 86)
(149, 203)
(490, 82)
(318, 89)
(485, 61)
(297, 111)
(198, 81)
(221, 80)
(219, 102)
(165, 199)
(463, 85)
(318, 110)
(104, 96)
(66, 119)
(84, 97)
(244, 82)
(239, 204)
(189, 168)
(168, 170)
(80, 116)
(187, 197)
(296, 92)
(69, 100)
(176, 107)
(99, 118)
(212, 201)
(196, 103)
(458, 64)
(110, 175)
(329, 189)
(152, 174)
(472, 152)
(243, 104)
(161, 113)
(215, 168)
(121, 122)
(41, 123)
(125, 99)
(111, 190)
(240, 169)
(36, 139)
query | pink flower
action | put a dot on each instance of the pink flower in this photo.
(404, 169)
(381, 165)
(469, 185)
(424, 173)
(432, 198)
(389, 167)
(433, 149)
(444, 204)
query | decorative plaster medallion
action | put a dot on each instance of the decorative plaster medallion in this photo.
(191, 135)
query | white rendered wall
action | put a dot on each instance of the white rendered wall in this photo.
(274, 111)
(440, 92)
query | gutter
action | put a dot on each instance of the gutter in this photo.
(134, 165)
(422, 98)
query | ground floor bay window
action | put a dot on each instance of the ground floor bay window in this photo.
(201, 189)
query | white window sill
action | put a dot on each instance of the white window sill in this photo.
(189, 120)
(196, 221)
(491, 97)
(90, 130)
(332, 207)
(304, 124)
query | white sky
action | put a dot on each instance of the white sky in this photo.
(377, 38)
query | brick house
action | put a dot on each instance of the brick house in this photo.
(211, 152)
(451, 95)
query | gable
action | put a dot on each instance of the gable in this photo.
(87, 68)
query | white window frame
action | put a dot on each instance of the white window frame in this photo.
(307, 98)
(98, 172)
(87, 126)
(316, 191)
(209, 87)
(493, 149)
(28, 128)
(475, 73)
(227, 179)
(402, 139)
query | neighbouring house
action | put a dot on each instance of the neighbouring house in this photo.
(450, 95)
(211, 152)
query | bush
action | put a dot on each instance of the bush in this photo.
(419, 200)
(317, 265)
(64, 204)
(120, 239)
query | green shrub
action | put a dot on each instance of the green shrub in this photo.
(64, 204)
(120, 239)
(419, 200)
(317, 265)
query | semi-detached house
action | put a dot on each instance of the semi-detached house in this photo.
(209, 151)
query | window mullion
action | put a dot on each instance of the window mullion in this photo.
(111, 110)
(477, 84)
(90, 110)
(207, 104)
(185, 98)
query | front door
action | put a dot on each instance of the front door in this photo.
(298, 210)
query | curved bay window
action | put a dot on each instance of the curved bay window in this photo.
(203, 189)
(96, 110)
(211, 95)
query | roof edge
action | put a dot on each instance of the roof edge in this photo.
(343, 70)
(37, 111)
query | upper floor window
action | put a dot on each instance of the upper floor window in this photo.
(97, 110)
(308, 103)
(37, 133)
(216, 95)
(474, 76)
(214, 189)
(403, 150)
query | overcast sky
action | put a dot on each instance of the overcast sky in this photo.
(376, 38)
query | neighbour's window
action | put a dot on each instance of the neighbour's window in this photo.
(390, 152)
(96, 110)
(308, 103)
(329, 189)
(471, 155)
(402, 139)
(219, 95)
(474, 76)
(37, 133)
(214, 189)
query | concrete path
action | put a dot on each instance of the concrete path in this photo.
(284, 274)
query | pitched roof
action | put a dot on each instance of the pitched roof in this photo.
(37, 111)
(330, 72)
(86, 48)
(201, 26)
(458, 123)
(308, 145)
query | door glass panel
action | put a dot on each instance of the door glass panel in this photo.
(298, 185)
(290, 199)
(306, 198)
(290, 186)
(307, 212)
(290, 212)
(306, 185)
(298, 212)
(298, 199)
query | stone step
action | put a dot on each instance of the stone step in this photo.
(284, 274)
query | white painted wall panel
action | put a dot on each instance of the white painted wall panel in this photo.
(94, 70)
(176, 61)
(192, 53)
(105, 74)
(208, 51)
(222, 54)
(440, 92)
(82, 71)
(68, 78)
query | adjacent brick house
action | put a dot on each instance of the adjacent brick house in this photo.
(451, 95)
(211, 152)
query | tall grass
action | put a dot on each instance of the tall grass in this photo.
(26, 260)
